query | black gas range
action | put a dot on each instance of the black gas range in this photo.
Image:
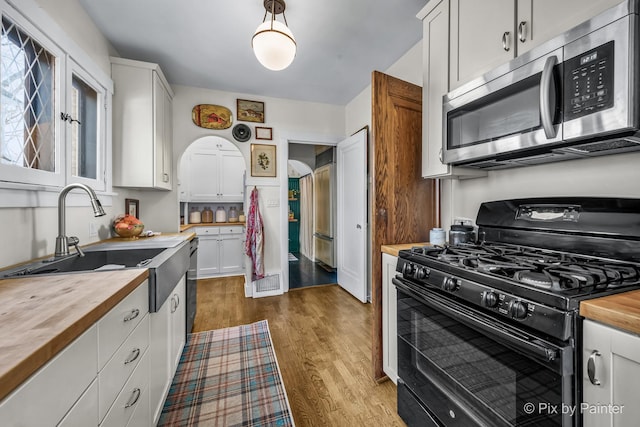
(509, 302)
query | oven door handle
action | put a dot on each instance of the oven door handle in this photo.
(476, 320)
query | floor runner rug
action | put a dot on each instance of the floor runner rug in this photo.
(228, 377)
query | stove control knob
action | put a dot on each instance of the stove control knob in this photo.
(450, 284)
(423, 273)
(490, 299)
(518, 309)
(408, 269)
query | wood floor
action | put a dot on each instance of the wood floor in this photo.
(322, 339)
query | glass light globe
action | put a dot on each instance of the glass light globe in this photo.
(275, 49)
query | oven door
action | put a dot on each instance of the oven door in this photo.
(461, 367)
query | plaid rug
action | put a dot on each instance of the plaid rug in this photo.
(228, 377)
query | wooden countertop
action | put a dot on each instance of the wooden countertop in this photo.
(395, 249)
(620, 311)
(42, 315)
(185, 227)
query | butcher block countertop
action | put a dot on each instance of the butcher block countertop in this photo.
(395, 249)
(42, 315)
(621, 311)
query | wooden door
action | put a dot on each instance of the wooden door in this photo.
(403, 203)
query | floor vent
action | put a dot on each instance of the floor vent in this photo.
(267, 286)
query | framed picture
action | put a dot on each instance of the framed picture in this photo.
(132, 207)
(263, 133)
(263, 160)
(250, 111)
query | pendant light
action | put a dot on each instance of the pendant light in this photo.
(273, 42)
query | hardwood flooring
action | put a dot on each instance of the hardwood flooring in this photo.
(322, 339)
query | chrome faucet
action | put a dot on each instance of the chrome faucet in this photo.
(62, 241)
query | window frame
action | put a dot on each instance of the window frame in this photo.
(99, 183)
(36, 188)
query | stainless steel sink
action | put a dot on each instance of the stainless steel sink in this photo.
(167, 265)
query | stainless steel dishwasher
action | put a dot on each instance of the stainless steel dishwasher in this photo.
(192, 284)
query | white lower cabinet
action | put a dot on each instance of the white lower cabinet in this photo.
(611, 374)
(220, 250)
(93, 381)
(167, 340)
(389, 318)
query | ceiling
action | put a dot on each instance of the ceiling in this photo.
(207, 43)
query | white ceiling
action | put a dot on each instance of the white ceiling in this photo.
(207, 43)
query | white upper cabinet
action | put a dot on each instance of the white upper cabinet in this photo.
(142, 125)
(212, 170)
(489, 33)
(541, 20)
(482, 37)
(435, 57)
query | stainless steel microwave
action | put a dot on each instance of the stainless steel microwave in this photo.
(574, 96)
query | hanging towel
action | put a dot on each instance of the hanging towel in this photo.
(254, 241)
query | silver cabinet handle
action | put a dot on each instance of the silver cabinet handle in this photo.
(548, 97)
(440, 155)
(175, 302)
(591, 367)
(133, 356)
(358, 226)
(165, 177)
(134, 313)
(506, 41)
(522, 31)
(134, 398)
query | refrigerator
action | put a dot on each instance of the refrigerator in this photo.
(324, 205)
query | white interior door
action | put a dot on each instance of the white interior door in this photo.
(351, 238)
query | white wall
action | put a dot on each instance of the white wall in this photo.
(607, 176)
(408, 68)
(286, 117)
(30, 232)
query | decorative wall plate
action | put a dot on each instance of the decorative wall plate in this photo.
(210, 116)
(241, 132)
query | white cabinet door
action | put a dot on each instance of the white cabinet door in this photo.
(231, 253)
(482, 37)
(389, 318)
(178, 324)
(542, 20)
(142, 116)
(163, 133)
(204, 176)
(208, 256)
(160, 367)
(611, 374)
(435, 57)
(231, 179)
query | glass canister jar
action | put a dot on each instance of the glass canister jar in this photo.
(195, 216)
(437, 236)
(221, 214)
(207, 215)
(233, 214)
(241, 217)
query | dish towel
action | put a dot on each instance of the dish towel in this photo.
(255, 241)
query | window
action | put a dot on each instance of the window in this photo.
(27, 102)
(53, 111)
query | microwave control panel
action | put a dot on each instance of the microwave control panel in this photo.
(588, 82)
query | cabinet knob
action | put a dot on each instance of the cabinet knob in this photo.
(506, 41)
(522, 31)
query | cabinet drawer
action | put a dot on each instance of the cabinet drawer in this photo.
(207, 231)
(47, 395)
(122, 364)
(118, 323)
(134, 393)
(233, 229)
(85, 411)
